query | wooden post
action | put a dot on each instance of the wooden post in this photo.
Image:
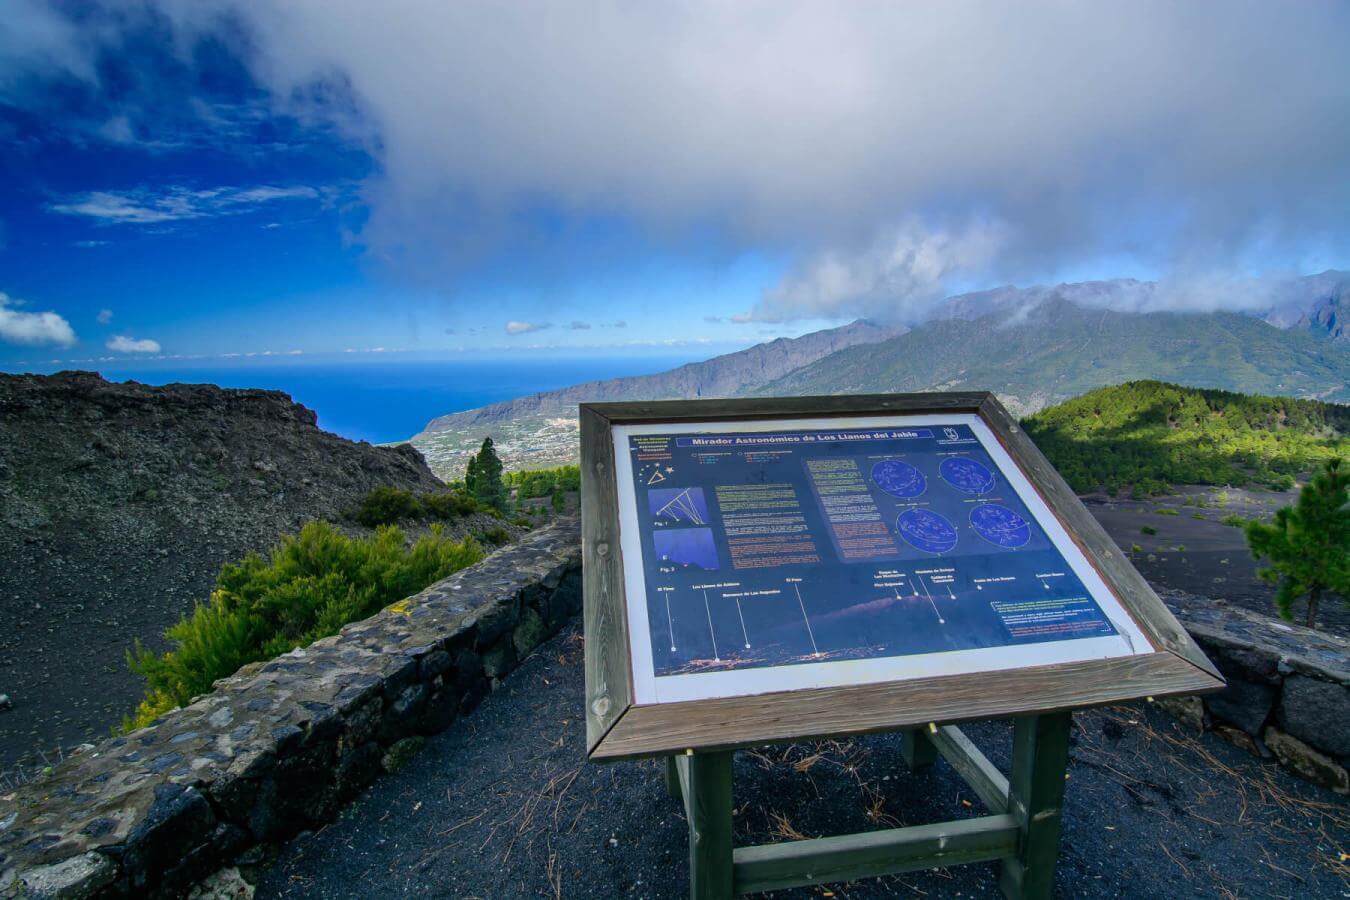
(708, 801)
(673, 778)
(1035, 798)
(917, 749)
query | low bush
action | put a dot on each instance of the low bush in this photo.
(387, 505)
(497, 536)
(543, 482)
(1234, 521)
(453, 504)
(310, 586)
(1148, 529)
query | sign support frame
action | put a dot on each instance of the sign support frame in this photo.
(1021, 831)
(697, 737)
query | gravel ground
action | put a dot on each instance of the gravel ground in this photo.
(504, 805)
(1194, 551)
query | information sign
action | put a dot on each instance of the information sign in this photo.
(785, 554)
(760, 570)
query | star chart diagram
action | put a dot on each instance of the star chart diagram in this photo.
(829, 548)
(676, 505)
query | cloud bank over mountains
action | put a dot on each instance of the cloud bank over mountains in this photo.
(890, 153)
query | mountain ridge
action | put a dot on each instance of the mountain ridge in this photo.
(1292, 340)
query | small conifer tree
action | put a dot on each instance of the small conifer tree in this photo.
(484, 477)
(1308, 544)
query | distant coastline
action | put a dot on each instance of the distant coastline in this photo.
(391, 400)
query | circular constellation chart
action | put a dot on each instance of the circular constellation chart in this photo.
(966, 475)
(1000, 525)
(899, 479)
(925, 530)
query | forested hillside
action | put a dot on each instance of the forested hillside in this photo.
(1051, 349)
(1144, 435)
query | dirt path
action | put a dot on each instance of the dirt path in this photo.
(503, 805)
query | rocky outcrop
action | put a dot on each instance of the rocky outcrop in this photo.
(277, 747)
(1288, 693)
(118, 505)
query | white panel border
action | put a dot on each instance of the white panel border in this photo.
(648, 688)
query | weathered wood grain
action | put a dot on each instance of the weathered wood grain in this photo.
(1138, 599)
(861, 709)
(707, 790)
(609, 680)
(1035, 799)
(869, 854)
(984, 778)
(917, 749)
(616, 729)
(636, 412)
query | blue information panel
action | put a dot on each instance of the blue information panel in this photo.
(804, 546)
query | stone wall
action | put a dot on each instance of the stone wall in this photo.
(1288, 693)
(277, 747)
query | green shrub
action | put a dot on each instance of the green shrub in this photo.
(310, 586)
(1135, 548)
(453, 504)
(1233, 520)
(1148, 529)
(387, 505)
(497, 536)
(543, 482)
(1200, 516)
(1165, 511)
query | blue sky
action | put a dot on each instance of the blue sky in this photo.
(220, 179)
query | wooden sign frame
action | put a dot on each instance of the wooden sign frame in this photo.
(618, 728)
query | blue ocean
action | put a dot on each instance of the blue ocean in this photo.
(382, 401)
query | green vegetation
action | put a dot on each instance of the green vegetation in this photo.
(310, 586)
(483, 477)
(1148, 529)
(544, 482)
(1166, 511)
(1146, 435)
(1308, 544)
(1059, 350)
(497, 536)
(1233, 520)
(386, 505)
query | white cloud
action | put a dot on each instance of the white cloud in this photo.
(1168, 135)
(34, 328)
(148, 207)
(901, 275)
(104, 316)
(514, 327)
(126, 344)
(579, 326)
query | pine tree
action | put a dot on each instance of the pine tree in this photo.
(471, 476)
(484, 477)
(1308, 544)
